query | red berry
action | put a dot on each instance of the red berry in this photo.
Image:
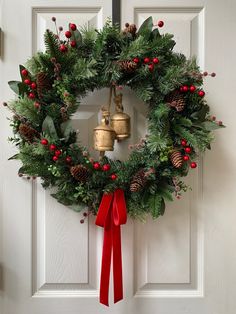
(24, 72)
(73, 43)
(54, 158)
(213, 74)
(37, 105)
(81, 221)
(63, 48)
(181, 88)
(192, 88)
(33, 85)
(52, 147)
(155, 60)
(54, 19)
(72, 26)
(160, 23)
(96, 166)
(193, 165)
(31, 95)
(27, 81)
(146, 60)
(106, 167)
(57, 153)
(188, 150)
(151, 67)
(201, 93)
(136, 60)
(44, 141)
(68, 159)
(183, 142)
(68, 34)
(185, 157)
(113, 176)
(185, 88)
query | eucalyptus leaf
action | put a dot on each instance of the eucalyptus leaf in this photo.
(201, 114)
(48, 127)
(211, 125)
(14, 85)
(146, 28)
(67, 129)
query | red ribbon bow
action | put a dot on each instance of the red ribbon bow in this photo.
(111, 214)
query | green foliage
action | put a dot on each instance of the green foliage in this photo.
(95, 63)
(25, 108)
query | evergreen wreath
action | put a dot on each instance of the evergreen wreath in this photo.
(50, 90)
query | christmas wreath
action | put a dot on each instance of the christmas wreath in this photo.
(50, 91)
(179, 125)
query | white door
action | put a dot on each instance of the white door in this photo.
(183, 263)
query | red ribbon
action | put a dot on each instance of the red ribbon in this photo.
(111, 214)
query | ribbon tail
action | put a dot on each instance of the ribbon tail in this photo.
(117, 264)
(106, 265)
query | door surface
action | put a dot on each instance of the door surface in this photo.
(183, 263)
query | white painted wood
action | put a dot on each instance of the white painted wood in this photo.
(184, 263)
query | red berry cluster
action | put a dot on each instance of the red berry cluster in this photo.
(191, 89)
(32, 85)
(70, 37)
(150, 61)
(188, 150)
(56, 152)
(105, 168)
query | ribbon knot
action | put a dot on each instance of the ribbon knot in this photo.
(111, 214)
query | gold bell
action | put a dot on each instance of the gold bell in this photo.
(104, 135)
(120, 121)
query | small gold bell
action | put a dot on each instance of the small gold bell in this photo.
(120, 121)
(104, 135)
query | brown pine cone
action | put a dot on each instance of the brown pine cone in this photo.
(176, 99)
(138, 181)
(176, 159)
(128, 66)
(80, 173)
(43, 83)
(130, 28)
(27, 132)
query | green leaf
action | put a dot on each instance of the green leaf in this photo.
(67, 129)
(18, 87)
(201, 114)
(14, 85)
(49, 127)
(157, 205)
(76, 36)
(165, 193)
(77, 207)
(211, 125)
(14, 157)
(156, 33)
(146, 28)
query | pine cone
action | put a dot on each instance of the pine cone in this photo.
(176, 100)
(27, 132)
(130, 28)
(43, 83)
(176, 159)
(128, 66)
(138, 181)
(80, 173)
